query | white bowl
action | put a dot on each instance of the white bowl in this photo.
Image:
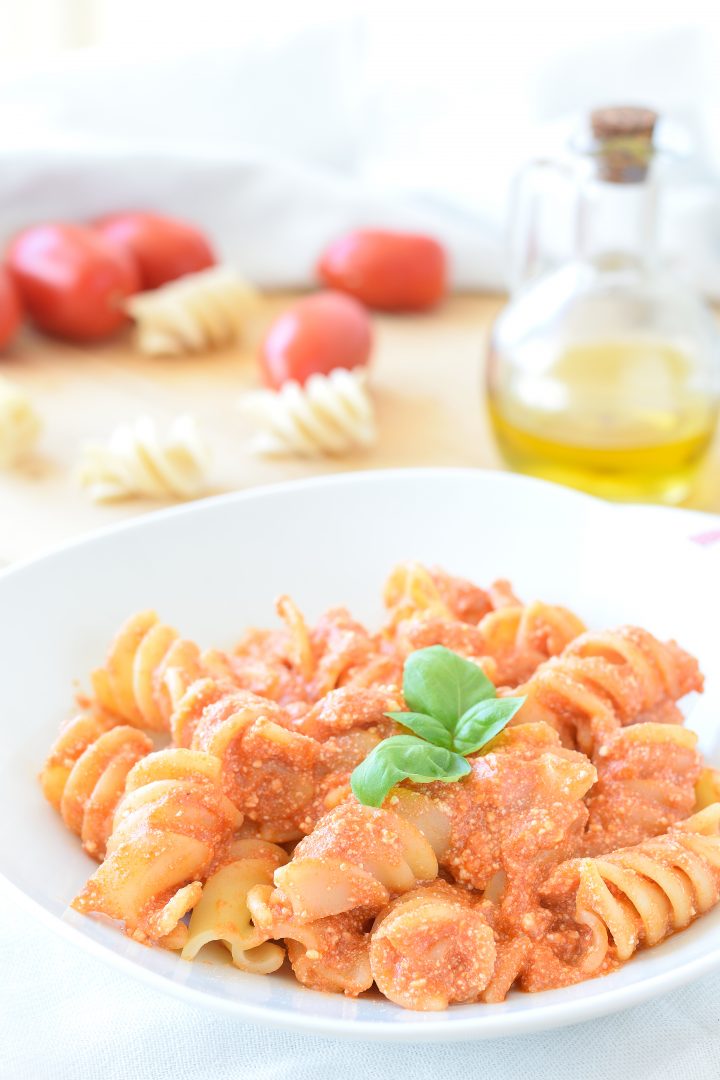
(214, 567)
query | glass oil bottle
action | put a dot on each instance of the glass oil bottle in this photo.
(603, 372)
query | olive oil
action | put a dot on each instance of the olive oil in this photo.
(623, 419)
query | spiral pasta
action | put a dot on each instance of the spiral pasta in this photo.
(137, 461)
(222, 914)
(707, 788)
(602, 681)
(19, 424)
(636, 896)
(330, 954)
(647, 775)
(338, 651)
(84, 775)
(170, 827)
(432, 946)
(132, 682)
(330, 415)
(507, 638)
(196, 313)
(356, 857)
(517, 814)
(518, 638)
(411, 590)
(267, 769)
(587, 829)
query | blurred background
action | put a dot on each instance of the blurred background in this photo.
(292, 121)
(273, 131)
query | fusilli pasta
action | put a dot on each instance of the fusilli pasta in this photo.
(132, 682)
(330, 954)
(646, 782)
(507, 638)
(636, 896)
(330, 415)
(431, 947)
(19, 424)
(196, 313)
(518, 814)
(267, 769)
(356, 857)
(587, 829)
(603, 681)
(222, 912)
(138, 462)
(170, 827)
(84, 775)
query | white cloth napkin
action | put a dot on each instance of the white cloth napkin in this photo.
(66, 1016)
(284, 141)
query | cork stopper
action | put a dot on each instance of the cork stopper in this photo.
(623, 142)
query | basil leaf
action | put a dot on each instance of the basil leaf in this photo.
(438, 682)
(427, 727)
(483, 722)
(403, 757)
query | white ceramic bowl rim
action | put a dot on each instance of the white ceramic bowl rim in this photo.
(551, 1009)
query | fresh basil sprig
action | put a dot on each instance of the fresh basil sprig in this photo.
(453, 711)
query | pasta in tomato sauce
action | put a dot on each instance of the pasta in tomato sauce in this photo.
(216, 788)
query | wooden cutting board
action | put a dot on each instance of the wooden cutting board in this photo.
(427, 379)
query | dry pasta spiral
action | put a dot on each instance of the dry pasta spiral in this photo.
(330, 415)
(198, 312)
(170, 827)
(431, 947)
(84, 775)
(138, 461)
(222, 913)
(132, 682)
(606, 680)
(19, 424)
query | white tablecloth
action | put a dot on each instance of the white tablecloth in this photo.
(64, 1016)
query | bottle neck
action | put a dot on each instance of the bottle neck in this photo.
(616, 223)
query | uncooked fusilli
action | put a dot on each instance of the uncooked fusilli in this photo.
(196, 313)
(330, 415)
(138, 462)
(19, 424)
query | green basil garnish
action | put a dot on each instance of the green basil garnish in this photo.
(453, 711)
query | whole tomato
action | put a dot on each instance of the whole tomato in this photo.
(390, 271)
(72, 281)
(316, 335)
(163, 247)
(10, 309)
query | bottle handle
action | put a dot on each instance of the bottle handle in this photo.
(526, 259)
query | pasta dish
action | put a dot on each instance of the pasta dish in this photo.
(482, 795)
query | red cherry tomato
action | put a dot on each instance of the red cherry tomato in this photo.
(10, 309)
(72, 281)
(390, 271)
(316, 335)
(163, 247)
